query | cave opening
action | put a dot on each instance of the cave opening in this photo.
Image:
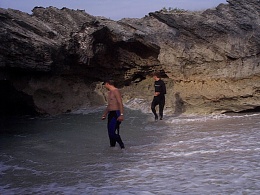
(13, 102)
(253, 110)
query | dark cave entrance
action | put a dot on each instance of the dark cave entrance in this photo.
(13, 102)
(256, 109)
(253, 110)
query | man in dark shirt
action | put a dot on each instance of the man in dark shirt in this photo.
(159, 96)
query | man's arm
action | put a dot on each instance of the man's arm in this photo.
(105, 113)
(120, 103)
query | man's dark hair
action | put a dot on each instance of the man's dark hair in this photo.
(157, 74)
(109, 81)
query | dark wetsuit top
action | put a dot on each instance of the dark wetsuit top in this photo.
(159, 86)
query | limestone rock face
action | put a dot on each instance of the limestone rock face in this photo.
(56, 59)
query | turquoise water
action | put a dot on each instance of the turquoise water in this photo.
(70, 154)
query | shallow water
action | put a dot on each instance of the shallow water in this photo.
(70, 154)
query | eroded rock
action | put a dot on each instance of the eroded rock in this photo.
(210, 60)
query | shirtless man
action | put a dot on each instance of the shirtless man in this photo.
(115, 111)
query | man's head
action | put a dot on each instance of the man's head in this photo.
(156, 76)
(109, 83)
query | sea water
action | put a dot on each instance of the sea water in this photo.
(70, 154)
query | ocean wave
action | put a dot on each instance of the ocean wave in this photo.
(138, 104)
(144, 107)
(213, 117)
(88, 110)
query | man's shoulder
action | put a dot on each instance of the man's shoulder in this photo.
(160, 81)
(115, 91)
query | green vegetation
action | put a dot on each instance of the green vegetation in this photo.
(172, 10)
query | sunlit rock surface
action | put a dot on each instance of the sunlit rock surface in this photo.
(54, 60)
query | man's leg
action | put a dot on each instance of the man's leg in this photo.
(111, 127)
(112, 141)
(118, 137)
(161, 107)
(153, 105)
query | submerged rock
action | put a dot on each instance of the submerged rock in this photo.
(56, 59)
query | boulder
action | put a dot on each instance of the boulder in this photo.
(58, 58)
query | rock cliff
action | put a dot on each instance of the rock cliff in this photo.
(54, 60)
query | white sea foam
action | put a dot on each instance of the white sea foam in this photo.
(138, 104)
(211, 117)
